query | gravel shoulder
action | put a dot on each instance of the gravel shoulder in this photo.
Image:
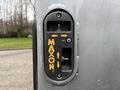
(16, 70)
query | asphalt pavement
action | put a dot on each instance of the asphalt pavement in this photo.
(16, 71)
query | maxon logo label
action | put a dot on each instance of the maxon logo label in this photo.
(51, 51)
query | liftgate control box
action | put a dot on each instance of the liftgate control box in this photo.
(57, 64)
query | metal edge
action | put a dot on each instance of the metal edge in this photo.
(34, 46)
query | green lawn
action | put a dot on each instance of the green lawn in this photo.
(15, 43)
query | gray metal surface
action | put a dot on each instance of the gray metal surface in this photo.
(99, 43)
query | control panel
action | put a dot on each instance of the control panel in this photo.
(58, 45)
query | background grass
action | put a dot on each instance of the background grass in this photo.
(15, 43)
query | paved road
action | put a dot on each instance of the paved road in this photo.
(16, 70)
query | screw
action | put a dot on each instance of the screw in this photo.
(69, 40)
(59, 76)
(59, 15)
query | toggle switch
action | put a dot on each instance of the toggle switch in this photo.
(66, 58)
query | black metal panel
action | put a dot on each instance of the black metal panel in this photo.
(58, 45)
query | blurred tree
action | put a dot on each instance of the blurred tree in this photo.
(14, 17)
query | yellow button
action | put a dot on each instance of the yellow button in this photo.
(64, 35)
(54, 35)
(58, 64)
(58, 55)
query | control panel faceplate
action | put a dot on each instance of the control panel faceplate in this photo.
(58, 45)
